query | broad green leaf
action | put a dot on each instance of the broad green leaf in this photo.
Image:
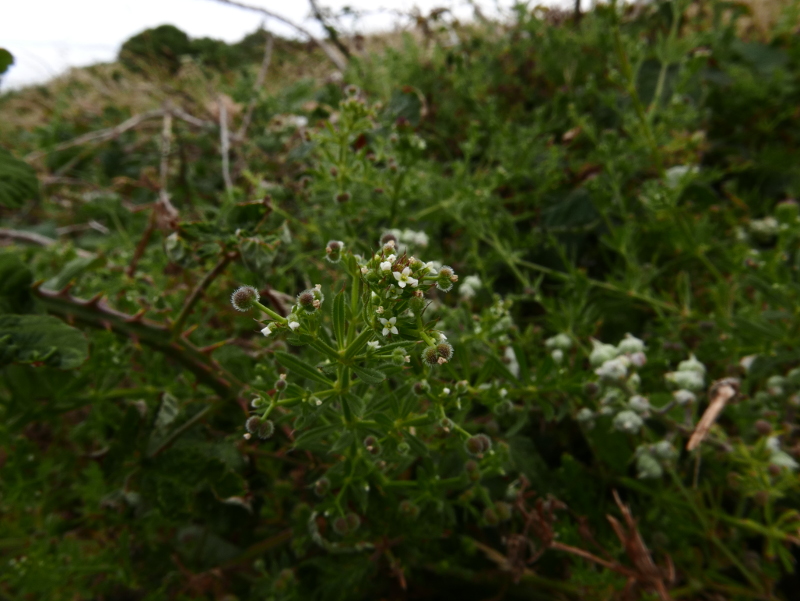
(339, 318)
(301, 368)
(18, 181)
(41, 338)
(15, 285)
(369, 375)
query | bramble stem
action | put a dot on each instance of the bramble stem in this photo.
(191, 300)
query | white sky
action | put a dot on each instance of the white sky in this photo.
(47, 37)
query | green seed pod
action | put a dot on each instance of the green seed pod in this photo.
(478, 445)
(266, 429)
(333, 251)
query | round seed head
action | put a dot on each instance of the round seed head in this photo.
(340, 526)
(446, 424)
(387, 238)
(478, 445)
(371, 444)
(280, 384)
(430, 356)
(403, 448)
(444, 350)
(322, 486)
(353, 521)
(333, 251)
(763, 427)
(244, 298)
(306, 300)
(266, 429)
(252, 424)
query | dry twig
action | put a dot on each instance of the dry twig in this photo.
(721, 392)
(34, 238)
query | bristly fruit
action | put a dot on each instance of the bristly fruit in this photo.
(333, 251)
(245, 298)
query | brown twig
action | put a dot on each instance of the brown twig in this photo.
(201, 287)
(329, 51)
(34, 238)
(96, 313)
(721, 392)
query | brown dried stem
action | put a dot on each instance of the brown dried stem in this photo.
(197, 293)
(721, 392)
(34, 238)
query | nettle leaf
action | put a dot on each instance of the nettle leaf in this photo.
(18, 181)
(15, 285)
(301, 368)
(41, 338)
(72, 270)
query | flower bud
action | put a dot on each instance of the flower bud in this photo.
(462, 387)
(445, 278)
(306, 301)
(372, 446)
(692, 364)
(403, 448)
(585, 417)
(690, 380)
(684, 397)
(280, 383)
(639, 404)
(387, 238)
(613, 370)
(557, 356)
(421, 387)
(333, 251)
(398, 357)
(638, 359)
(245, 298)
(446, 424)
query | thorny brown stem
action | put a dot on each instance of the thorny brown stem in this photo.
(202, 286)
(96, 313)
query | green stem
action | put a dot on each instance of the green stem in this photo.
(271, 313)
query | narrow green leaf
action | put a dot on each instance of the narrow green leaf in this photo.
(339, 319)
(369, 375)
(301, 368)
(345, 440)
(309, 437)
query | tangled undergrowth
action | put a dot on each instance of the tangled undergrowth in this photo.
(507, 310)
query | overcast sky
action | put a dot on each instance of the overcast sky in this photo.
(48, 36)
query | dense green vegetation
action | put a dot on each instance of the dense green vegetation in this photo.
(515, 315)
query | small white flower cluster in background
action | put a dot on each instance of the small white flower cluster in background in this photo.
(410, 237)
(469, 287)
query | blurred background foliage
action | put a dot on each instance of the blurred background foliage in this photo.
(633, 170)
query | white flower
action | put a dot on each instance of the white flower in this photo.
(561, 342)
(612, 370)
(386, 266)
(630, 345)
(557, 355)
(388, 326)
(267, 330)
(628, 421)
(294, 325)
(445, 391)
(364, 270)
(374, 345)
(404, 277)
(684, 397)
(391, 258)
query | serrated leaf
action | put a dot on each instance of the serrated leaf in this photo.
(301, 368)
(339, 318)
(369, 375)
(41, 338)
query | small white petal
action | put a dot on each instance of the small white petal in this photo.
(385, 331)
(294, 325)
(393, 320)
(401, 283)
(397, 275)
(407, 271)
(383, 320)
(394, 330)
(266, 331)
(386, 266)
